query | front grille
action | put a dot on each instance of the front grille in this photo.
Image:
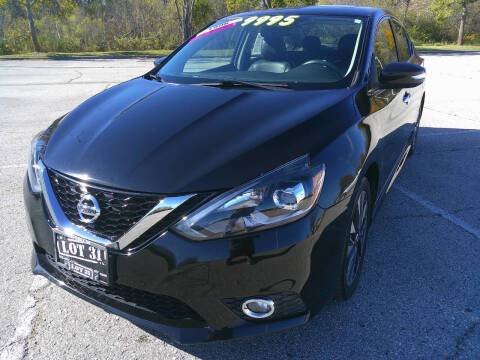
(287, 304)
(119, 210)
(161, 305)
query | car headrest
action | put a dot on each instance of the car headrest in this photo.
(311, 44)
(346, 46)
(274, 49)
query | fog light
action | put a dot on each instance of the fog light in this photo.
(258, 308)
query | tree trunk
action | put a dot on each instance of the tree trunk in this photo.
(186, 29)
(33, 32)
(461, 29)
(185, 16)
(267, 4)
(407, 4)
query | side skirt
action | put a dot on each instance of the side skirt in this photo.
(391, 179)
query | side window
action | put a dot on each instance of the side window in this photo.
(403, 45)
(384, 51)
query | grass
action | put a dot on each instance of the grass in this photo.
(153, 53)
(447, 47)
(106, 54)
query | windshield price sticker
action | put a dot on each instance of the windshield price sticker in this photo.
(279, 20)
(268, 20)
(218, 27)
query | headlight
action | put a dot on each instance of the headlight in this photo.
(38, 148)
(279, 197)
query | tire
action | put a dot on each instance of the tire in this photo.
(355, 242)
(415, 132)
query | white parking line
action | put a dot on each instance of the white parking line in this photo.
(451, 115)
(439, 211)
(13, 166)
(450, 133)
(15, 347)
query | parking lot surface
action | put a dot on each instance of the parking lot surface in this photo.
(419, 296)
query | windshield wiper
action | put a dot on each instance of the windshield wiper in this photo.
(154, 77)
(233, 83)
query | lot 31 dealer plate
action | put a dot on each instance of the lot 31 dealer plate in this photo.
(83, 257)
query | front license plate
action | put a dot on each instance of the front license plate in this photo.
(82, 257)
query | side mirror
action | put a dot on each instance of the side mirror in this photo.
(398, 75)
(159, 61)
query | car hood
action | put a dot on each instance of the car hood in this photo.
(148, 136)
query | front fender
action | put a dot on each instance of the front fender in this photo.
(344, 158)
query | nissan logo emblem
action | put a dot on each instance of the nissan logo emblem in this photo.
(88, 209)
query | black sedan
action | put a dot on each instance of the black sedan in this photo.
(228, 191)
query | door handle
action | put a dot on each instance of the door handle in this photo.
(407, 97)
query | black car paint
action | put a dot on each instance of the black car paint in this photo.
(356, 132)
(218, 140)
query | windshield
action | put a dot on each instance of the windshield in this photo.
(303, 51)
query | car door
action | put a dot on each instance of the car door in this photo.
(411, 98)
(385, 117)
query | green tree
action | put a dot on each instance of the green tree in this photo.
(446, 8)
(61, 8)
(234, 6)
(28, 9)
(202, 14)
(240, 5)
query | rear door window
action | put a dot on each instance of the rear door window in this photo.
(403, 44)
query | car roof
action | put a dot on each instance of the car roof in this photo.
(331, 10)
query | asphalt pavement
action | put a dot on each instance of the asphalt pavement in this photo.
(419, 296)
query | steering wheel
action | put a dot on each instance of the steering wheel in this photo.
(328, 65)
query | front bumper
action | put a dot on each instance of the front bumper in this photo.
(179, 334)
(191, 290)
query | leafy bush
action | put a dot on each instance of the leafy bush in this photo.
(4, 47)
(17, 36)
(425, 28)
(473, 39)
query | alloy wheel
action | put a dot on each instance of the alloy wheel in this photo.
(357, 239)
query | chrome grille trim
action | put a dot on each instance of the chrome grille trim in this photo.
(64, 225)
(162, 209)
